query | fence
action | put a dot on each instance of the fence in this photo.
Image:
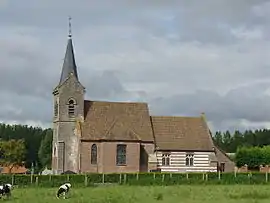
(136, 179)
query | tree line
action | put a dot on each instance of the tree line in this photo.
(230, 142)
(37, 142)
(36, 149)
(251, 148)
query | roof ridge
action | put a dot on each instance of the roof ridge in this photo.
(205, 125)
(197, 117)
(115, 102)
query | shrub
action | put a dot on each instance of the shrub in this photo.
(141, 179)
(253, 156)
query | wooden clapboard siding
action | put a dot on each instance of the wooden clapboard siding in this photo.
(185, 170)
(201, 162)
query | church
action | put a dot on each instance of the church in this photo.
(114, 137)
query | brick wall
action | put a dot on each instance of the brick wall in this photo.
(107, 157)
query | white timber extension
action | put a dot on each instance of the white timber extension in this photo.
(185, 162)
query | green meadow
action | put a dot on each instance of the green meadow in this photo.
(149, 194)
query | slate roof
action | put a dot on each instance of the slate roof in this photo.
(69, 65)
(116, 121)
(181, 133)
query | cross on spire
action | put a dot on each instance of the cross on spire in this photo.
(69, 27)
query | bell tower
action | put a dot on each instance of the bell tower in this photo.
(68, 99)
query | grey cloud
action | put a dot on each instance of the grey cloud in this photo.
(207, 21)
(23, 66)
(248, 102)
(22, 108)
(23, 101)
(139, 51)
(104, 85)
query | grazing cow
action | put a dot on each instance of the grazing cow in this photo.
(63, 190)
(5, 190)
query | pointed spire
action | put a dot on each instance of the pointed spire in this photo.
(69, 65)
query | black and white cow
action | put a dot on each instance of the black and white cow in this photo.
(5, 190)
(63, 190)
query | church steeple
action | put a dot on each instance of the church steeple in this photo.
(69, 65)
(68, 101)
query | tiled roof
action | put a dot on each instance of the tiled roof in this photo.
(14, 170)
(181, 133)
(116, 121)
(131, 121)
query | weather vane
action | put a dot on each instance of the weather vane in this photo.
(69, 26)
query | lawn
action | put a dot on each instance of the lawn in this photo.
(150, 194)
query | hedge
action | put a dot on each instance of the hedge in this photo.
(142, 179)
(253, 156)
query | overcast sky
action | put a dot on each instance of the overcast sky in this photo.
(182, 57)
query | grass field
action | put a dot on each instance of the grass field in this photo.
(169, 194)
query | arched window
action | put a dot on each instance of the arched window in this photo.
(166, 159)
(94, 154)
(55, 108)
(71, 107)
(189, 159)
(121, 152)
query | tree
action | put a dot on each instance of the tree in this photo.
(253, 156)
(227, 141)
(32, 137)
(45, 150)
(12, 153)
(237, 141)
(218, 139)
